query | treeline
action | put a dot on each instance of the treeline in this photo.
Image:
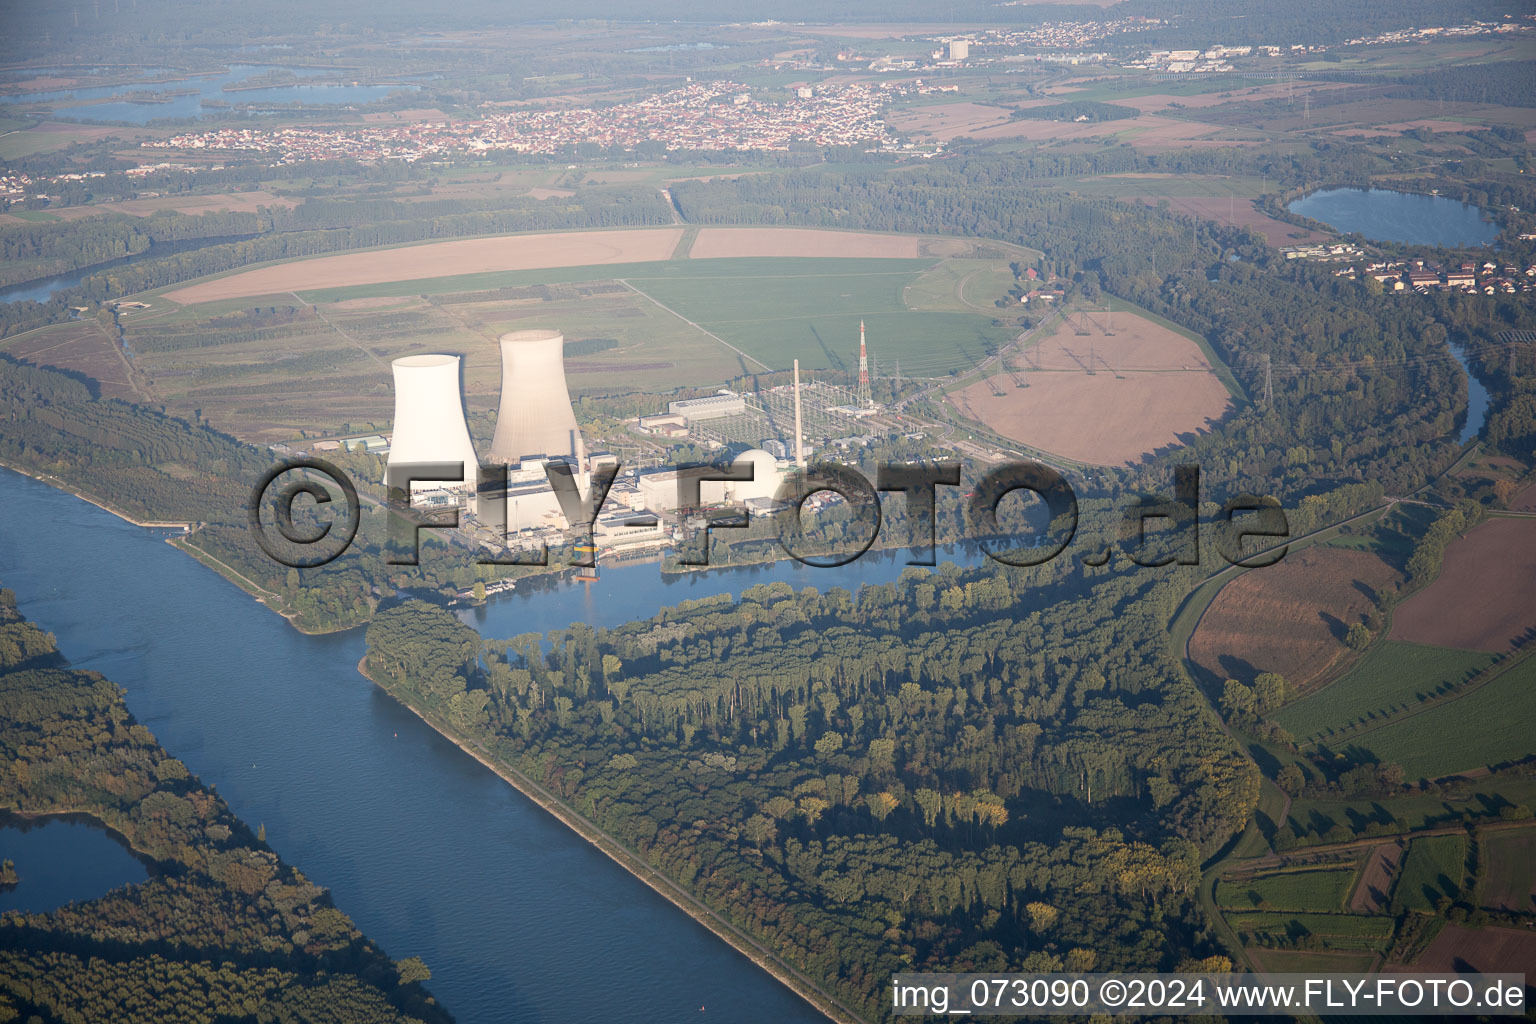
(1507, 83)
(364, 221)
(222, 929)
(970, 769)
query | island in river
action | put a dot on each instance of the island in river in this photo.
(219, 914)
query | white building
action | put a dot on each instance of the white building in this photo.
(726, 403)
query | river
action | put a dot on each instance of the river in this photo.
(432, 855)
(44, 288)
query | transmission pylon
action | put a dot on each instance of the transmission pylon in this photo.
(1269, 382)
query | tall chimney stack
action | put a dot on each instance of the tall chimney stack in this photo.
(799, 432)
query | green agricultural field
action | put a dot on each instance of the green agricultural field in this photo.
(1338, 931)
(961, 286)
(327, 366)
(1295, 961)
(1491, 725)
(1391, 677)
(1435, 868)
(1508, 880)
(1475, 798)
(809, 309)
(1322, 890)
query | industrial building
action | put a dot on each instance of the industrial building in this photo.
(535, 415)
(429, 416)
(657, 491)
(723, 403)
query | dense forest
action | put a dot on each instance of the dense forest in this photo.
(221, 930)
(970, 770)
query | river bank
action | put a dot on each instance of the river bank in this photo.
(101, 503)
(663, 886)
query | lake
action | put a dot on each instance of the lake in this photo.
(432, 854)
(61, 859)
(1389, 216)
(203, 88)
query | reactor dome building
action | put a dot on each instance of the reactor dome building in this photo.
(429, 416)
(535, 417)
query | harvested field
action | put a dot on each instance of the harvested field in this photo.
(235, 202)
(442, 259)
(734, 243)
(1290, 618)
(1482, 599)
(1509, 870)
(1459, 949)
(1149, 131)
(1524, 501)
(946, 121)
(81, 346)
(1101, 398)
(1243, 213)
(1375, 885)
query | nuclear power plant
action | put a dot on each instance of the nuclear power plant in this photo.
(537, 425)
(535, 416)
(429, 416)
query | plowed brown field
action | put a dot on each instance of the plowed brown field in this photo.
(1291, 617)
(1483, 598)
(441, 259)
(1107, 399)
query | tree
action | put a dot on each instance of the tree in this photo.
(1358, 637)
(1291, 780)
(413, 969)
(1270, 690)
(761, 829)
(1237, 700)
(1042, 916)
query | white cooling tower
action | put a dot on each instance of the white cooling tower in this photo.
(535, 416)
(429, 415)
